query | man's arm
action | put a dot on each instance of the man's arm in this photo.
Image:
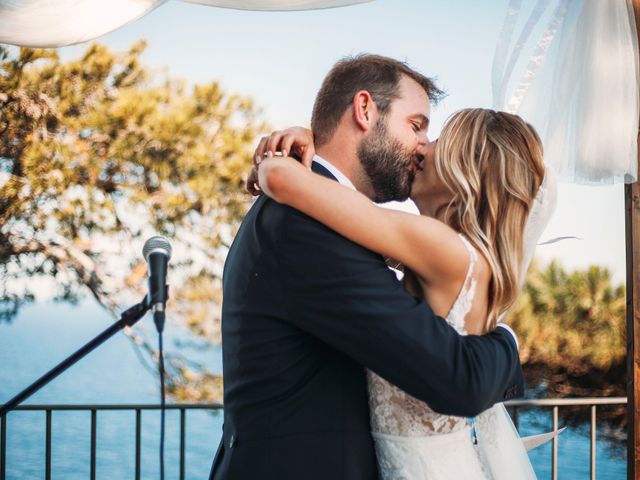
(345, 295)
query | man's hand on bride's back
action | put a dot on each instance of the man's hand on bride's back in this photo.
(295, 141)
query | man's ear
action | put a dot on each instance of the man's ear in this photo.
(365, 112)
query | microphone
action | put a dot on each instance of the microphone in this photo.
(157, 252)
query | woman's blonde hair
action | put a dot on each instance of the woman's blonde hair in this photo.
(492, 164)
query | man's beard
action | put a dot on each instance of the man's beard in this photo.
(387, 164)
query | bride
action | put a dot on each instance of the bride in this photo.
(482, 194)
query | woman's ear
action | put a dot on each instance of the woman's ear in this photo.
(365, 112)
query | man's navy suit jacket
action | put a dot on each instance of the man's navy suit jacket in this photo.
(304, 311)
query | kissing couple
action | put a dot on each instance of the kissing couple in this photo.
(334, 366)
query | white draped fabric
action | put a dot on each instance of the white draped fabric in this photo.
(579, 88)
(42, 23)
(277, 5)
(56, 23)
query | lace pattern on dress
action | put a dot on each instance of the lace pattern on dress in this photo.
(395, 412)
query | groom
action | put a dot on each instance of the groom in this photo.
(305, 309)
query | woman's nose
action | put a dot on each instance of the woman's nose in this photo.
(426, 147)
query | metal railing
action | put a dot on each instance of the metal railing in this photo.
(94, 409)
(555, 404)
(513, 405)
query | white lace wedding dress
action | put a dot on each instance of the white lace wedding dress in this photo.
(414, 443)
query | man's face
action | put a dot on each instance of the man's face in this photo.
(391, 153)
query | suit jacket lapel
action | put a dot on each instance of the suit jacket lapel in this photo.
(320, 170)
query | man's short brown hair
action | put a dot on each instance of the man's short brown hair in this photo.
(376, 74)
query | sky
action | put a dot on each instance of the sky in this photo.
(280, 59)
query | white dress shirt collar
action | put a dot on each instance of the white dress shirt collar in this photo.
(341, 177)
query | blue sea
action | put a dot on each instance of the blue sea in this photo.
(44, 334)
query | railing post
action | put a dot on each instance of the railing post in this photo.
(3, 448)
(182, 441)
(554, 451)
(93, 443)
(47, 470)
(593, 442)
(138, 422)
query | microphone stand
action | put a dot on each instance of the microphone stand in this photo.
(128, 318)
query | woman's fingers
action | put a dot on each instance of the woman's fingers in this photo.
(307, 155)
(296, 140)
(260, 150)
(252, 185)
(301, 140)
(273, 144)
(286, 144)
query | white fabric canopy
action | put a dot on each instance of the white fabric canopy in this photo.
(579, 87)
(42, 23)
(56, 23)
(277, 5)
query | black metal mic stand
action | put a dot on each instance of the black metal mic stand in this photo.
(127, 319)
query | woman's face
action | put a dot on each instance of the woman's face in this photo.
(426, 184)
